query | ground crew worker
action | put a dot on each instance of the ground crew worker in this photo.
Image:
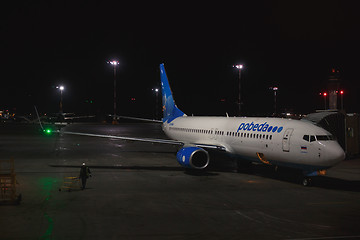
(84, 174)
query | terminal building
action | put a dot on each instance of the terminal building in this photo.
(345, 126)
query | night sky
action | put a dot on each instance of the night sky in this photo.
(290, 44)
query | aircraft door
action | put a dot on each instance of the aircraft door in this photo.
(286, 139)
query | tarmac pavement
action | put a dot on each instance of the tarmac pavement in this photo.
(139, 191)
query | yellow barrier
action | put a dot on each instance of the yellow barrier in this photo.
(8, 183)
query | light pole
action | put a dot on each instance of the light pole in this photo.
(156, 91)
(342, 99)
(114, 63)
(61, 88)
(324, 94)
(239, 67)
(275, 89)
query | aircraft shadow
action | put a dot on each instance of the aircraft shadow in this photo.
(192, 172)
(154, 168)
(228, 164)
(337, 184)
(281, 174)
(295, 176)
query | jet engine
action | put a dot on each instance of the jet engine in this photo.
(193, 157)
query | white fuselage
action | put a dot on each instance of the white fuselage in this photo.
(277, 141)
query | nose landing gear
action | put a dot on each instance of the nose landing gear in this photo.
(307, 177)
(307, 181)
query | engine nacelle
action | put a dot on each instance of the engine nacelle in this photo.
(193, 157)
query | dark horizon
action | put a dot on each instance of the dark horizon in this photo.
(292, 46)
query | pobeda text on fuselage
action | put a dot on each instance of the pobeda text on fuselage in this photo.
(259, 127)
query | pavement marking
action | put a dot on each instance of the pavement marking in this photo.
(324, 238)
(326, 203)
(247, 217)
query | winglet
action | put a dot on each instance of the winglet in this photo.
(170, 110)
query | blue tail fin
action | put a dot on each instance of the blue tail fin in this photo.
(171, 111)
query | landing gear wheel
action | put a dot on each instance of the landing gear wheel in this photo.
(306, 182)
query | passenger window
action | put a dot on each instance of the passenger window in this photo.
(306, 138)
(270, 137)
(312, 138)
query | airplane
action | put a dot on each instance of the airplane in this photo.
(62, 118)
(272, 141)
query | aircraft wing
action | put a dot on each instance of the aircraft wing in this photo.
(78, 117)
(137, 119)
(149, 140)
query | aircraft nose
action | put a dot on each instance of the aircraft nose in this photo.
(335, 153)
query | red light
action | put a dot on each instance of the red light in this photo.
(342, 92)
(325, 94)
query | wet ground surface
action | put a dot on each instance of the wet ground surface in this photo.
(138, 191)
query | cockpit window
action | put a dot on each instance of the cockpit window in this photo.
(322, 137)
(312, 138)
(325, 137)
(331, 137)
(306, 138)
